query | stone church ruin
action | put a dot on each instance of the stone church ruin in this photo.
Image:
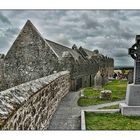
(31, 57)
(37, 73)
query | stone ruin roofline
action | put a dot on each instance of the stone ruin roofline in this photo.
(29, 23)
(58, 44)
(85, 49)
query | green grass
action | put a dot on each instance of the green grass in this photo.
(86, 102)
(110, 107)
(111, 121)
(90, 91)
(118, 88)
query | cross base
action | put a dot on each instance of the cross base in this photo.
(129, 110)
(133, 95)
(131, 107)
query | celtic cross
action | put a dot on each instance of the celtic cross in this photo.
(134, 51)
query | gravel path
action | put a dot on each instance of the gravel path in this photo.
(67, 115)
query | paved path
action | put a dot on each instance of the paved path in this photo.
(67, 115)
(93, 107)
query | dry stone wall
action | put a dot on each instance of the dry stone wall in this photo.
(30, 106)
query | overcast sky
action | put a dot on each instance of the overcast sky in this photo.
(112, 32)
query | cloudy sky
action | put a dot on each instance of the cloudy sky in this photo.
(112, 32)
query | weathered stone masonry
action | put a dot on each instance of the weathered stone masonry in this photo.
(32, 56)
(30, 106)
(27, 101)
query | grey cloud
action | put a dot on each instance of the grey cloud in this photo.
(124, 62)
(91, 22)
(120, 53)
(11, 31)
(4, 19)
(63, 40)
(110, 31)
(112, 23)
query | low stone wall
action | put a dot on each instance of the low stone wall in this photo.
(30, 106)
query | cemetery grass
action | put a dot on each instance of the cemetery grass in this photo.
(110, 107)
(111, 121)
(91, 95)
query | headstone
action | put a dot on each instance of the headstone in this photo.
(105, 80)
(131, 107)
(130, 76)
(106, 94)
(104, 74)
(98, 80)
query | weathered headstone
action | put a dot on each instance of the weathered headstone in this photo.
(132, 103)
(130, 76)
(98, 80)
(106, 94)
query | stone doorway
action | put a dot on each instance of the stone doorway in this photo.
(78, 83)
(90, 84)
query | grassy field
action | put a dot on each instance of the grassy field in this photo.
(118, 88)
(111, 121)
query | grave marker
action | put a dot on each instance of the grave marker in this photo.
(131, 107)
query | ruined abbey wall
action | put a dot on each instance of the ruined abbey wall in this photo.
(30, 106)
(31, 57)
(82, 72)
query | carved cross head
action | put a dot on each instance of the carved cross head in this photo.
(134, 51)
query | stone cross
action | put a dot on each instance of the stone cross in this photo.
(134, 51)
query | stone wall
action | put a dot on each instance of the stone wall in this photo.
(30, 106)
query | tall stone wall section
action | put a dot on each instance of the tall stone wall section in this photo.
(30, 106)
(82, 73)
(28, 59)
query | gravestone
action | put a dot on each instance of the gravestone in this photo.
(130, 76)
(98, 80)
(106, 94)
(131, 107)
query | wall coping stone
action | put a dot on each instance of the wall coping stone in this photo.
(13, 98)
